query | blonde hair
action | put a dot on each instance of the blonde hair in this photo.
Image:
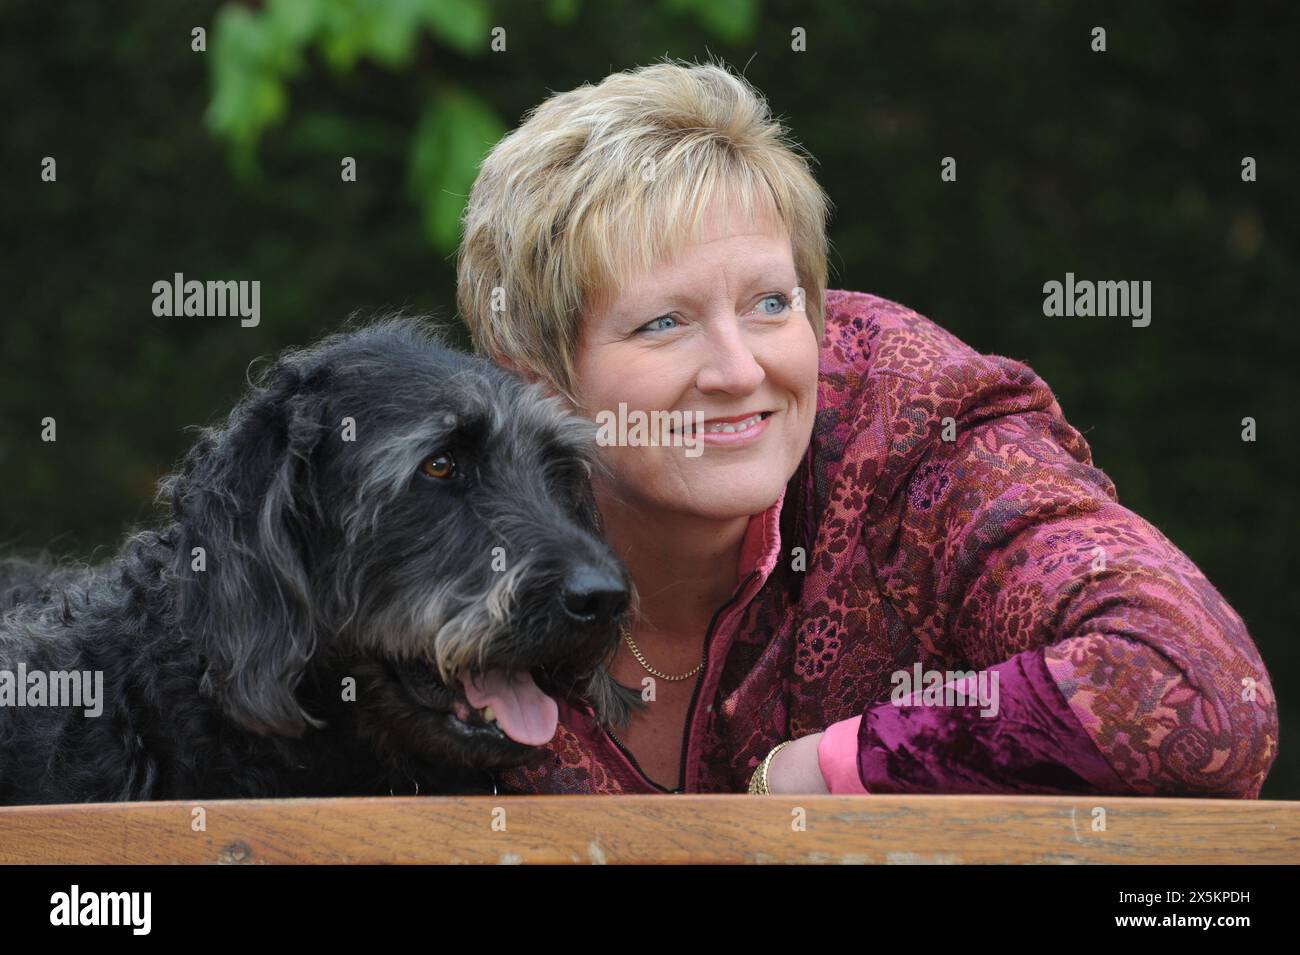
(562, 210)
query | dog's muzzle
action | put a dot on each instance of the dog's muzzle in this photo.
(508, 703)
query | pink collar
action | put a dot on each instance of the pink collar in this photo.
(761, 547)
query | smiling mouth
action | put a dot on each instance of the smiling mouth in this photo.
(726, 427)
(731, 427)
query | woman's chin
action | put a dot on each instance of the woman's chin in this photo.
(722, 501)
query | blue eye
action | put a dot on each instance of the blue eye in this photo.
(785, 302)
(650, 325)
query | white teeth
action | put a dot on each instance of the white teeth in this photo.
(730, 427)
(489, 714)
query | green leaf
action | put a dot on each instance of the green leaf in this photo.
(455, 132)
(294, 23)
(733, 20)
(393, 28)
(460, 23)
(242, 37)
(342, 49)
(248, 94)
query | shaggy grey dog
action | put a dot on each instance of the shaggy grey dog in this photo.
(375, 578)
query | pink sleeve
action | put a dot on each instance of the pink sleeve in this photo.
(837, 755)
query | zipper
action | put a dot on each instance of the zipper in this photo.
(690, 709)
(637, 766)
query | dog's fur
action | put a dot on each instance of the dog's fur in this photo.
(327, 559)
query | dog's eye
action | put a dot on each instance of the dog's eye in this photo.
(440, 466)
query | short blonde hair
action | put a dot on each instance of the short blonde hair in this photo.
(562, 210)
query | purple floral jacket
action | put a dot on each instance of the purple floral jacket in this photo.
(946, 519)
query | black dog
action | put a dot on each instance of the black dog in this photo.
(374, 574)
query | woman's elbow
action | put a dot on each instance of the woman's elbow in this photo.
(1226, 743)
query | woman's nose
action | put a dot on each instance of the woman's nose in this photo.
(729, 364)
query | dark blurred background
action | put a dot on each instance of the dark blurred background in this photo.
(225, 164)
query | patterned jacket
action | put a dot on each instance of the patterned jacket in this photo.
(946, 522)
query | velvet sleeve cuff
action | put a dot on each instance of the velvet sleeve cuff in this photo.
(1032, 744)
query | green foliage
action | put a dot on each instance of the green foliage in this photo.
(453, 135)
(250, 64)
(733, 20)
(255, 55)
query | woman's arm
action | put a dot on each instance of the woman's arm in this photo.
(1120, 668)
(1035, 744)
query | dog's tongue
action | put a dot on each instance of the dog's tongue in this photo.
(523, 711)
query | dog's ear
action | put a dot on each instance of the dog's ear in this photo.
(241, 495)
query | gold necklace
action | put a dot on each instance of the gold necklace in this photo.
(627, 635)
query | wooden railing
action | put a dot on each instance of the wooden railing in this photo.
(658, 829)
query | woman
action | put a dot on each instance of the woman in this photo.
(875, 516)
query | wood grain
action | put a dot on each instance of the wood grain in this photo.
(658, 829)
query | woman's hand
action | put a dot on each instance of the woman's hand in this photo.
(796, 769)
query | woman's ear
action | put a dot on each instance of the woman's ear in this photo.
(505, 361)
(530, 376)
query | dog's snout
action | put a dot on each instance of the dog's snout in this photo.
(589, 593)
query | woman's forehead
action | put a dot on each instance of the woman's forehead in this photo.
(668, 234)
(742, 261)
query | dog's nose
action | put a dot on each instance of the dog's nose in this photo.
(591, 594)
